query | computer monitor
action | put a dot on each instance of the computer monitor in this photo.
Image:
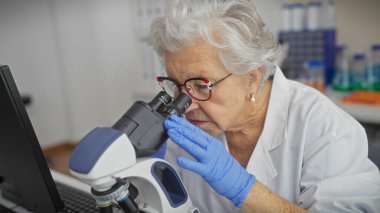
(25, 178)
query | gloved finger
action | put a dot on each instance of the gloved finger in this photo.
(177, 122)
(193, 137)
(193, 149)
(161, 152)
(193, 166)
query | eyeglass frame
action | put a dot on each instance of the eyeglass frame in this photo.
(209, 84)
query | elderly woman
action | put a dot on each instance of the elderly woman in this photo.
(252, 140)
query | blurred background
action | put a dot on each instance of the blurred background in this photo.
(82, 63)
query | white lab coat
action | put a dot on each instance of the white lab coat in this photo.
(310, 153)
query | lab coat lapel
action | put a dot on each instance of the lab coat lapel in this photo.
(261, 164)
(274, 132)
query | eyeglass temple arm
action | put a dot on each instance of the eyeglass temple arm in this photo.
(218, 81)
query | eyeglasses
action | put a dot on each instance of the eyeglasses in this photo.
(197, 88)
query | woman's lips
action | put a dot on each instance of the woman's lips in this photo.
(197, 122)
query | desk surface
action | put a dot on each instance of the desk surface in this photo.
(58, 156)
(362, 112)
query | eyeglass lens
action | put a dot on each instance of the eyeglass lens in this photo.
(196, 88)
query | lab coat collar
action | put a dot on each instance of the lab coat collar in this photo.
(274, 132)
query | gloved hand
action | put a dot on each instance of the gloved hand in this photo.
(220, 170)
(161, 152)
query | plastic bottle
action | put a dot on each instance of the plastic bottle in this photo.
(315, 72)
(298, 17)
(341, 81)
(374, 73)
(358, 72)
(328, 14)
(286, 17)
(313, 15)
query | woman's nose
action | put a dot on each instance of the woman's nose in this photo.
(182, 89)
(193, 106)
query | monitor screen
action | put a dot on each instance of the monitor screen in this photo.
(25, 178)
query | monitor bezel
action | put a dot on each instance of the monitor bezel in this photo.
(46, 191)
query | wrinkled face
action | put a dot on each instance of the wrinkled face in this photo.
(226, 109)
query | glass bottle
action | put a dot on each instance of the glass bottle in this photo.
(315, 71)
(374, 69)
(358, 72)
(341, 81)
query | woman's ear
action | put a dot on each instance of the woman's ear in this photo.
(255, 78)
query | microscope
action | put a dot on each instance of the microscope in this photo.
(116, 162)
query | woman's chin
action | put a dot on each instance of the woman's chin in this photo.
(210, 129)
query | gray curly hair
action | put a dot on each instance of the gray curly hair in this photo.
(234, 27)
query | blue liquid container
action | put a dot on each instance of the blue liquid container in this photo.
(341, 80)
(315, 73)
(358, 72)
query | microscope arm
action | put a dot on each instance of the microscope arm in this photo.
(114, 162)
(100, 154)
(105, 156)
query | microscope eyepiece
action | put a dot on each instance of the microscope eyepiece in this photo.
(161, 100)
(178, 106)
(182, 102)
(143, 122)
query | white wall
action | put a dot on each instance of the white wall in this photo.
(99, 59)
(78, 59)
(358, 23)
(270, 11)
(28, 46)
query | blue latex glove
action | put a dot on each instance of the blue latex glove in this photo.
(161, 152)
(220, 170)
